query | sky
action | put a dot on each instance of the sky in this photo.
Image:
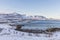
(47, 8)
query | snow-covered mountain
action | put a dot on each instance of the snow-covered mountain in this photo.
(17, 18)
(20, 16)
(37, 17)
(13, 17)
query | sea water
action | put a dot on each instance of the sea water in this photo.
(42, 24)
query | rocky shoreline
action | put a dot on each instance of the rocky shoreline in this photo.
(47, 31)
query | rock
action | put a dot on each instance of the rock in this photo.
(18, 27)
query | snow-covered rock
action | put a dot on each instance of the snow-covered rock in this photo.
(5, 26)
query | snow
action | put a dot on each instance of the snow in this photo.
(10, 34)
(5, 26)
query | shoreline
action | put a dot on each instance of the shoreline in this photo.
(46, 31)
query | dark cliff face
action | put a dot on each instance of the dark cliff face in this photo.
(18, 27)
(53, 29)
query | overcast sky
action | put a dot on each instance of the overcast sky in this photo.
(48, 8)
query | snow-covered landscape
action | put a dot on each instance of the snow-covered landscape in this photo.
(29, 19)
(7, 33)
(8, 23)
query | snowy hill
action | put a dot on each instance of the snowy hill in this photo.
(6, 33)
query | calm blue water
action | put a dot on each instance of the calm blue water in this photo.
(43, 24)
